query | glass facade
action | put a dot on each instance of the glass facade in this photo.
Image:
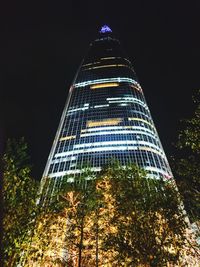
(105, 116)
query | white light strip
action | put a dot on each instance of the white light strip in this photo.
(123, 105)
(101, 106)
(77, 109)
(114, 128)
(118, 79)
(89, 64)
(97, 169)
(116, 143)
(102, 149)
(142, 121)
(149, 168)
(117, 133)
(63, 159)
(63, 173)
(122, 98)
(93, 169)
(107, 66)
(104, 58)
(126, 100)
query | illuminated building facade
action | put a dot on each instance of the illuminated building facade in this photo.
(105, 116)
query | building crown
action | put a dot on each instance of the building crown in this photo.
(105, 29)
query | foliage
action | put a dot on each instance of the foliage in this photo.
(187, 168)
(19, 191)
(147, 218)
(121, 218)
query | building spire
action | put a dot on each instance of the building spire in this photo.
(105, 29)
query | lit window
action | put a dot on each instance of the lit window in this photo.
(152, 150)
(143, 145)
(101, 106)
(104, 58)
(142, 120)
(126, 100)
(64, 159)
(67, 137)
(107, 66)
(123, 105)
(118, 147)
(136, 87)
(98, 81)
(78, 109)
(104, 131)
(114, 128)
(103, 85)
(149, 168)
(89, 64)
(104, 122)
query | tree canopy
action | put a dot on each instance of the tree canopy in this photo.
(121, 218)
(186, 167)
(19, 193)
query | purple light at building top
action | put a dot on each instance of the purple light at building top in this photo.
(105, 29)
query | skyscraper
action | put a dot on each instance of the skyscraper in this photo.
(105, 116)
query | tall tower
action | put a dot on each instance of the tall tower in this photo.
(105, 116)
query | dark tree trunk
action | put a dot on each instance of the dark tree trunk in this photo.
(81, 243)
(97, 238)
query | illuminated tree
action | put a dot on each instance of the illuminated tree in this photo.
(121, 218)
(19, 193)
(149, 224)
(45, 247)
(187, 168)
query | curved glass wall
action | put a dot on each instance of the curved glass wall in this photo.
(105, 116)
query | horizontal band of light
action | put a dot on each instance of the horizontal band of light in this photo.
(104, 85)
(126, 99)
(117, 143)
(117, 133)
(107, 66)
(114, 128)
(102, 149)
(110, 132)
(123, 98)
(63, 173)
(105, 122)
(97, 169)
(64, 159)
(67, 137)
(107, 80)
(105, 58)
(101, 106)
(77, 109)
(152, 150)
(142, 120)
(89, 64)
(77, 171)
(136, 87)
(166, 174)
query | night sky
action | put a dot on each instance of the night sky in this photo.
(44, 43)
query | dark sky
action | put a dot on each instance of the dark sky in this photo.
(44, 44)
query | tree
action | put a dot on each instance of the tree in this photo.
(148, 221)
(62, 229)
(121, 218)
(19, 193)
(186, 168)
